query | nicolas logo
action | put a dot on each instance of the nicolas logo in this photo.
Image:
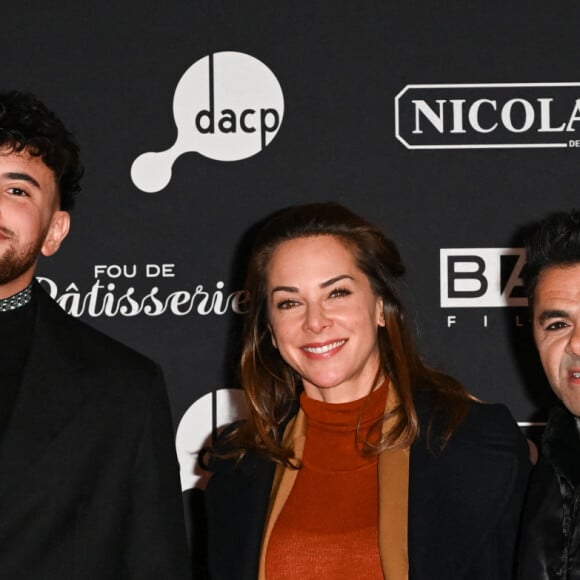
(488, 116)
(227, 106)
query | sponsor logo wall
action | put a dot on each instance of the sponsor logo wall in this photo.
(454, 127)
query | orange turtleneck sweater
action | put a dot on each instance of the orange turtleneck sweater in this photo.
(328, 527)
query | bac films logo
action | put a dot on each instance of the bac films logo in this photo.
(488, 116)
(482, 278)
(227, 106)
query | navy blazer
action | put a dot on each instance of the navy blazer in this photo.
(464, 502)
(89, 486)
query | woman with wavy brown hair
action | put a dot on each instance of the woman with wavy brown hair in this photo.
(357, 460)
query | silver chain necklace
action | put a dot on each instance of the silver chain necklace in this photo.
(21, 299)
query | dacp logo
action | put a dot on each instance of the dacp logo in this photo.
(227, 106)
(482, 277)
(488, 116)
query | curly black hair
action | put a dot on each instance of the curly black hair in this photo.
(554, 242)
(26, 124)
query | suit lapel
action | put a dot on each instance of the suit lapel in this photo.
(393, 468)
(50, 393)
(294, 437)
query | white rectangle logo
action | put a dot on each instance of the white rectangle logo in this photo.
(482, 277)
(488, 116)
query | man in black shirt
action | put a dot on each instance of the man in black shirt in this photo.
(88, 475)
(550, 538)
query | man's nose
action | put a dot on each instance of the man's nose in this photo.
(573, 346)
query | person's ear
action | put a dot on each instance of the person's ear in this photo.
(57, 232)
(380, 312)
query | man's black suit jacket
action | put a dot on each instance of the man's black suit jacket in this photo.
(88, 474)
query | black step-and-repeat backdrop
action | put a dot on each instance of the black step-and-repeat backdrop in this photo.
(453, 124)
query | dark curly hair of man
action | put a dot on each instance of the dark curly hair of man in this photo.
(27, 125)
(555, 241)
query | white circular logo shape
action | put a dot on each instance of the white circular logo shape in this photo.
(227, 106)
(195, 429)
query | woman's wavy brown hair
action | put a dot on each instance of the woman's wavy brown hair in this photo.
(272, 387)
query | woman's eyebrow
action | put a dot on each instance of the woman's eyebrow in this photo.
(335, 279)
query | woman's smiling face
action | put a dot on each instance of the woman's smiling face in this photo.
(324, 317)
